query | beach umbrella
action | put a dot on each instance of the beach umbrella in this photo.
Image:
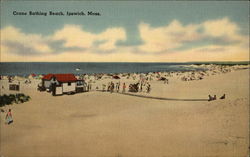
(116, 77)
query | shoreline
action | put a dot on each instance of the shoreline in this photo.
(199, 68)
(169, 67)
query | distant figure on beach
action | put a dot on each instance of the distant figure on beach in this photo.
(103, 87)
(89, 86)
(150, 78)
(117, 87)
(223, 96)
(123, 87)
(210, 98)
(166, 81)
(108, 89)
(27, 81)
(141, 87)
(9, 79)
(148, 88)
(112, 86)
(214, 97)
(8, 117)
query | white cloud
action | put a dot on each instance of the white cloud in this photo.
(18, 40)
(220, 27)
(75, 36)
(168, 37)
(175, 35)
(160, 44)
(75, 39)
(224, 28)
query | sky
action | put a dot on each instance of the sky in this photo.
(125, 31)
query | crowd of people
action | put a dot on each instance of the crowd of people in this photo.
(211, 98)
(115, 87)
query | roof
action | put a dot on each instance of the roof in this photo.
(61, 77)
(47, 77)
(33, 75)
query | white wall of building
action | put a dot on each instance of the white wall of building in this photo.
(59, 90)
(69, 88)
(47, 83)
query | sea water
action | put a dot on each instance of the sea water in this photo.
(26, 68)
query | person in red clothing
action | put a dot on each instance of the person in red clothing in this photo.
(8, 117)
(123, 87)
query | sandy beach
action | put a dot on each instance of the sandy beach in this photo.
(104, 124)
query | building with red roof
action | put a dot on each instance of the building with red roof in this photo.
(59, 83)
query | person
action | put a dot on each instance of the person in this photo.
(148, 88)
(118, 86)
(8, 117)
(108, 89)
(123, 87)
(166, 81)
(215, 97)
(9, 78)
(89, 86)
(210, 98)
(223, 96)
(141, 87)
(103, 87)
(112, 86)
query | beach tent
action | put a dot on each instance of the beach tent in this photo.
(116, 77)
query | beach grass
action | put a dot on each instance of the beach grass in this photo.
(13, 98)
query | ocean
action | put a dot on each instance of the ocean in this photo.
(26, 68)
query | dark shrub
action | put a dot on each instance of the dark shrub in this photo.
(10, 99)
